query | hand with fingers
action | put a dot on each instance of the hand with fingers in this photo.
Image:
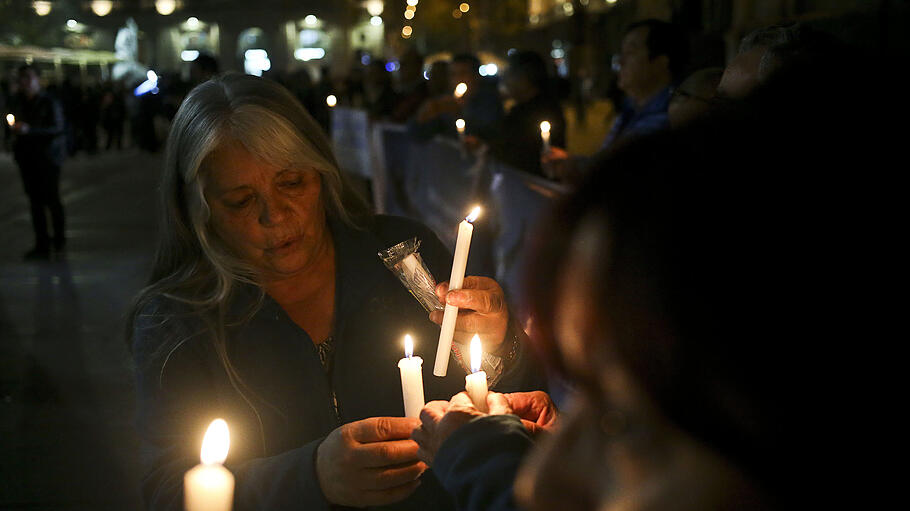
(482, 311)
(439, 419)
(370, 462)
(535, 409)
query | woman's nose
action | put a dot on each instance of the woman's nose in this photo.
(273, 211)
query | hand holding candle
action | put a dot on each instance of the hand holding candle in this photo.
(476, 382)
(462, 246)
(209, 486)
(545, 135)
(411, 380)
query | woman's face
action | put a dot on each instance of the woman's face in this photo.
(269, 216)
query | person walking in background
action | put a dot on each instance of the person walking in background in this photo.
(39, 149)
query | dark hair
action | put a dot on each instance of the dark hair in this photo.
(665, 39)
(530, 66)
(206, 63)
(467, 58)
(730, 248)
(25, 68)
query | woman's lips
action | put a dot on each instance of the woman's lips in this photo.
(285, 246)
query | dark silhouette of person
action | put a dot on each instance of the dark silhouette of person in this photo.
(39, 148)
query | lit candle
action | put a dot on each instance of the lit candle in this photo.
(411, 379)
(462, 246)
(10, 119)
(459, 125)
(476, 382)
(331, 100)
(460, 90)
(209, 486)
(545, 135)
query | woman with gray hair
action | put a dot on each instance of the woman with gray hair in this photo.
(269, 308)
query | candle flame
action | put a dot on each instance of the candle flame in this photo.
(460, 89)
(408, 345)
(545, 127)
(10, 119)
(331, 100)
(473, 216)
(216, 442)
(476, 354)
(459, 124)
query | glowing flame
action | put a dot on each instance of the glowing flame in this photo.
(476, 354)
(10, 119)
(408, 345)
(473, 216)
(42, 7)
(460, 89)
(545, 127)
(331, 100)
(459, 124)
(216, 442)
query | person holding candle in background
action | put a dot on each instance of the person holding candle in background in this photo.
(269, 307)
(470, 97)
(518, 141)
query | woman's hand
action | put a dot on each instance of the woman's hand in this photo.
(370, 462)
(439, 419)
(482, 311)
(535, 409)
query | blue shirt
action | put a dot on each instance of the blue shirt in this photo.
(634, 122)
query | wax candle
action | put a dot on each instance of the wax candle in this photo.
(545, 135)
(331, 100)
(462, 246)
(476, 382)
(411, 379)
(459, 125)
(10, 119)
(460, 90)
(209, 486)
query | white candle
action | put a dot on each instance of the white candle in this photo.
(411, 380)
(459, 125)
(545, 135)
(10, 119)
(331, 100)
(462, 246)
(476, 382)
(209, 486)
(460, 90)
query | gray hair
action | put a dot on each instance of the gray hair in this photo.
(192, 265)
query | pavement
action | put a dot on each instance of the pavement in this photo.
(67, 439)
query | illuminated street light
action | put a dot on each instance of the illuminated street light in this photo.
(71, 23)
(406, 31)
(192, 23)
(165, 7)
(311, 20)
(42, 8)
(408, 15)
(464, 7)
(102, 7)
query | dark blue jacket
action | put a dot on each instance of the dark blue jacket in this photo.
(274, 436)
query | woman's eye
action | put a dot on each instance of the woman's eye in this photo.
(238, 204)
(291, 183)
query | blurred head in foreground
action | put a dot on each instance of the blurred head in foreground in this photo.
(689, 293)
